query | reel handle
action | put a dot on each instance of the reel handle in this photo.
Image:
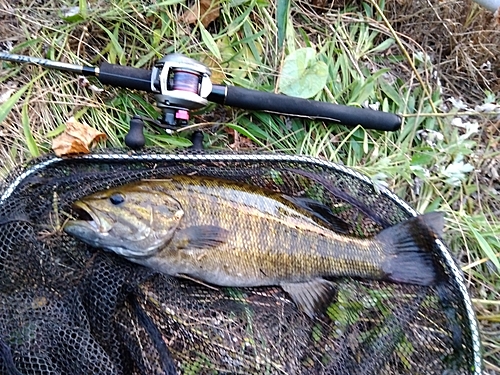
(135, 137)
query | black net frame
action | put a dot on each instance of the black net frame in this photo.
(67, 308)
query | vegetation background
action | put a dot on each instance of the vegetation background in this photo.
(434, 62)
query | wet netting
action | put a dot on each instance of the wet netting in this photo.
(67, 308)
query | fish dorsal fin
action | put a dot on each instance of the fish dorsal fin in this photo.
(319, 211)
(201, 237)
(310, 296)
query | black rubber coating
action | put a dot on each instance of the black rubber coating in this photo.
(135, 136)
(218, 94)
(197, 139)
(125, 76)
(350, 116)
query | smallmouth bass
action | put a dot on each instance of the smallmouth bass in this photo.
(229, 234)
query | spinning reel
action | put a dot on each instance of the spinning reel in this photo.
(181, 84)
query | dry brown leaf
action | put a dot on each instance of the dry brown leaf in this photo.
(76, 139)
(239, 141)
(209, 10)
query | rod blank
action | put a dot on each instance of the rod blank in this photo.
(49, 64)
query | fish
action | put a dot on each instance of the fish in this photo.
(230, 234)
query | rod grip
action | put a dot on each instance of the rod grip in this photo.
(125, 76)
(288, 105)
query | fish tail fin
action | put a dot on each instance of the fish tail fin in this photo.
(409, 248)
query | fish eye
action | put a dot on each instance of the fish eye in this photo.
(117, 198)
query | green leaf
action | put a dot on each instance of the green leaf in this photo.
(244, 132)
(238, 22)
(166, 3)
(422, 158)
(56, 131)
(30, 140)
(386, 44)
(303, 75)
(210, 42)
(485, 246)
(76, 14)
(84, 9)
(165, 139)
(72, 15)
(9, 103)
(255, 132)
(115, 47)
(283, 9)
(391, 92)
(434, 205)
(250, 37)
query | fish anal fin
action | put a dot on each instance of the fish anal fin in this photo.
(311, 296)
(320, 212)
(202, 236)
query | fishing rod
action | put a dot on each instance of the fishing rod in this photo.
(182, 84)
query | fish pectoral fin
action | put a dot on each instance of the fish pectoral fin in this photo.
(311, 296)
(202, 236)
(320, 211)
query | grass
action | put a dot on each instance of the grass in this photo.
(431, 163)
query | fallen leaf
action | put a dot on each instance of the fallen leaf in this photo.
(239, 141)
(207, 11)
(76, 139)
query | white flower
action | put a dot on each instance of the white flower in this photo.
(470, 127)
(457, 103)
(421, 170)
(379, 181)
(431, 137)
(375, 106)
(488, 107)
(456, 171)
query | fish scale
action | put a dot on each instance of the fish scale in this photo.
(264, 234)
(230, 234)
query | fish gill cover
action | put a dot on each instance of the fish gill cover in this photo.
(66, 307)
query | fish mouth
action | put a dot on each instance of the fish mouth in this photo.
(88, 216)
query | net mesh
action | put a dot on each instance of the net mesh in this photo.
(68, 308)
